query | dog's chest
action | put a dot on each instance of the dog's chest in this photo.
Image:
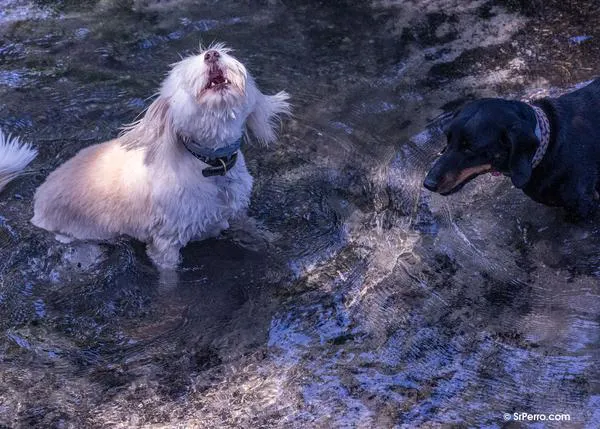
(544, 193)
(550, 187)
(191, 204)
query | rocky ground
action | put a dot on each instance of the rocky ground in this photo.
(376, 303)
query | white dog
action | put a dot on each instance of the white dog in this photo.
(175, 175)
(14, 157)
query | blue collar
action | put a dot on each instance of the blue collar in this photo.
(221, 160)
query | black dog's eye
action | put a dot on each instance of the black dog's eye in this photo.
(441, 152)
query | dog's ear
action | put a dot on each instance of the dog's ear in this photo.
(157, 116)
(153, 130)
(523, 144)
(266, 114)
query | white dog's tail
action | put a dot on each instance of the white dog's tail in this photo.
(14, 157)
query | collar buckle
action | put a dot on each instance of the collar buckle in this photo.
(219, 166)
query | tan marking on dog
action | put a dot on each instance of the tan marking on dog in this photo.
(451, 181)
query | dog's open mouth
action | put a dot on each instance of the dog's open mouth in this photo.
(454, 184)
(217, 79)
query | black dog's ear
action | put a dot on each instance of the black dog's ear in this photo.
(523, 144)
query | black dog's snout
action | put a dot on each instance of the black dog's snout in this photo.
(212, 56)
(430, 184)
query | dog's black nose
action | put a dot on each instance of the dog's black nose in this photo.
(430, 184)
(211, 56)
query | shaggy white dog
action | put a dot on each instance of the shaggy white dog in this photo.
(175, 175)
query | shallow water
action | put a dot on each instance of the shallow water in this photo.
(371, 302)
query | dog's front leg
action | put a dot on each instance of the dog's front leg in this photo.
(164, 252)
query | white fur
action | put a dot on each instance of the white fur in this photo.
(146, 184)
(14, 157)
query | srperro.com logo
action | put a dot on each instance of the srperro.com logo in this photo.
(528, 417)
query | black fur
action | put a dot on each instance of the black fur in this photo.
(499, 135)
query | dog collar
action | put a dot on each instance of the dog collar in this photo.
(221, 160)
(542, 132)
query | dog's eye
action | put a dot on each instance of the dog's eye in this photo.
(441, 152)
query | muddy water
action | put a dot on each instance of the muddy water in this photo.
(369, 302)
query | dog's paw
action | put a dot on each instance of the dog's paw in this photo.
(168, 279)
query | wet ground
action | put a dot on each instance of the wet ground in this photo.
(374, 303)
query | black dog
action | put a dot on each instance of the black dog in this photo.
(550, 149)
